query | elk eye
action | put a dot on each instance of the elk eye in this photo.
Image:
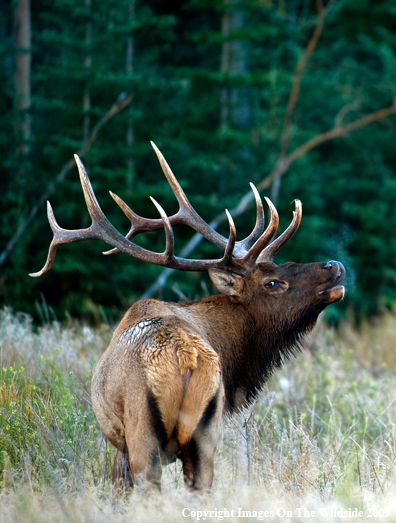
(271, 284)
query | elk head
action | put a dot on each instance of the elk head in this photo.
(171, 369)
(284, 291)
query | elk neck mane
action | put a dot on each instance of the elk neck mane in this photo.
(250, 349)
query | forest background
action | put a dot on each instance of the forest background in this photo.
(296, 96)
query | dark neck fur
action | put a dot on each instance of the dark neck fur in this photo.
(251, 349)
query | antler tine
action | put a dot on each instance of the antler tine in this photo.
(63, 236)
(93, 207)
(131, 215)
(271, 250)
(170, 239)
(260, 222)
(227, 258)
(105, 231)
(250, 259)
(172, 180)
(54, 244)
(187, 214)
(138, 223)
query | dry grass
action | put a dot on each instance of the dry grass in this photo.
(322, 434)
(77, 346)
(50, 507)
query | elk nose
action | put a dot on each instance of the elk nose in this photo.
(330, 264)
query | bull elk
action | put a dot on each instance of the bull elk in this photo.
(172, 369)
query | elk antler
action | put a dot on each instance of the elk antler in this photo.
(268, 254)
(188, 216)
(239, 257)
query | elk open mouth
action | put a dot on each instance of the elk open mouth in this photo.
(336, 291)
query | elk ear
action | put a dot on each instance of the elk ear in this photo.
(227, 282)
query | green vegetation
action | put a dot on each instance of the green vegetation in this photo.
(322, 432)
(46, 426)
(212, 85)
(298, 97)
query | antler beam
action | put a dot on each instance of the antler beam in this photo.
(239, 257)
(187, 215)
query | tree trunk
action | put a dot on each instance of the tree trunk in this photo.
(130, 135)
(22, 41)
(240, 111)
(224, 68)
(87, 68)
(234, 104)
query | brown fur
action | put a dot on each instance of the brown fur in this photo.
(170, 371)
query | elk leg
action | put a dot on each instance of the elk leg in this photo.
(190, 459)
(198, 454)
(122, 471)
(198, 463)
(154, 473)
(145, 436)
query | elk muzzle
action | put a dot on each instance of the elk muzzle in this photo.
(334, 291)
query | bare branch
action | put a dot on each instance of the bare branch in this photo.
(280, 169)
(121, 102)
(295, 89)
(345, 109)
(298, 74)
(336, 132)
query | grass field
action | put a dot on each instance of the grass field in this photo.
(321, 438)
